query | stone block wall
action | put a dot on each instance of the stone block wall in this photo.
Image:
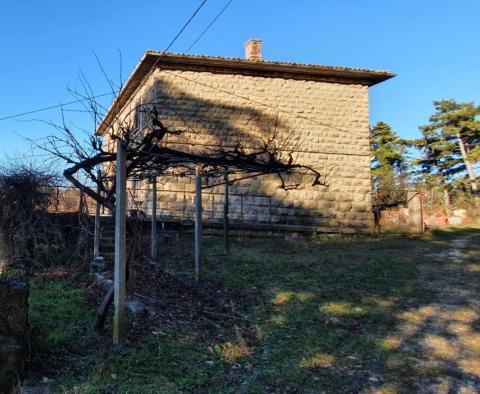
(324, 123)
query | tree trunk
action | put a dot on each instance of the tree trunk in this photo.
(468, 164)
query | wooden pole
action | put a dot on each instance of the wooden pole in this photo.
(154, 237)
(96, 234)
(198, 220)
(226, 240)
(119, 282)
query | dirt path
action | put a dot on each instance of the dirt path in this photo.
(438, 344)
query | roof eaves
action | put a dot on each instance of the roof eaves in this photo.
(151, 58)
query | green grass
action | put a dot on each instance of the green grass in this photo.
(327, 304)
(320, 313)
(58, 313)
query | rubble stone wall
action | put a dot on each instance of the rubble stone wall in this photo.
(13, 331)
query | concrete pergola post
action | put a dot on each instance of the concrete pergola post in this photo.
(154, 236)
(226, 240)
(119, 282)
(198, 220)
(96, 233)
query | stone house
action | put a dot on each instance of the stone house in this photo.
(323, 110)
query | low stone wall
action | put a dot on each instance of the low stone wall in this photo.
(402, 219)
(455, 217)
(394, 218)
(13, 331)
(436, 219)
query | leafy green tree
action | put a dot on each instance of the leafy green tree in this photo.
(451, 143)
(388, 164)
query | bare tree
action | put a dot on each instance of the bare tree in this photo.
(150, 153)
(153, 150)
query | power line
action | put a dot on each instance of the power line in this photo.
(185, 25)
(106, 94)
(55, 106)
(175, 38)
(219, 14)
(171, 43)
(191, 80)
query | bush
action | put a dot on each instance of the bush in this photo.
(31, 236)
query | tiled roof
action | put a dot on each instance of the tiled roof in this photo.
(230, 65)
(269, 62)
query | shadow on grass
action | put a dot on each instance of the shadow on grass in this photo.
(393, 314)
(358, 315)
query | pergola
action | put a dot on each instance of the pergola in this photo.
(147, 157)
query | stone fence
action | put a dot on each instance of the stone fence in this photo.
(408, 217)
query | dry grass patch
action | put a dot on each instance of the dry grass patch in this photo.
(459, 329)
(231, 352)
(465, 315)
(391, 342)
(471, 365)
(472, 267)
(470, 342)
(440, 347)
(282, 297)
(317, 361)
(341, 309)
(387, 388)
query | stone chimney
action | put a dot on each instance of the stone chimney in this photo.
(253, 50)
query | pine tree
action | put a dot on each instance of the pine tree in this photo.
(388, 156)
(451, 143)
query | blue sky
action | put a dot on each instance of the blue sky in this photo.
(433, 46)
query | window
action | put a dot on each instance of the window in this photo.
(138, 119)
(136, 184)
